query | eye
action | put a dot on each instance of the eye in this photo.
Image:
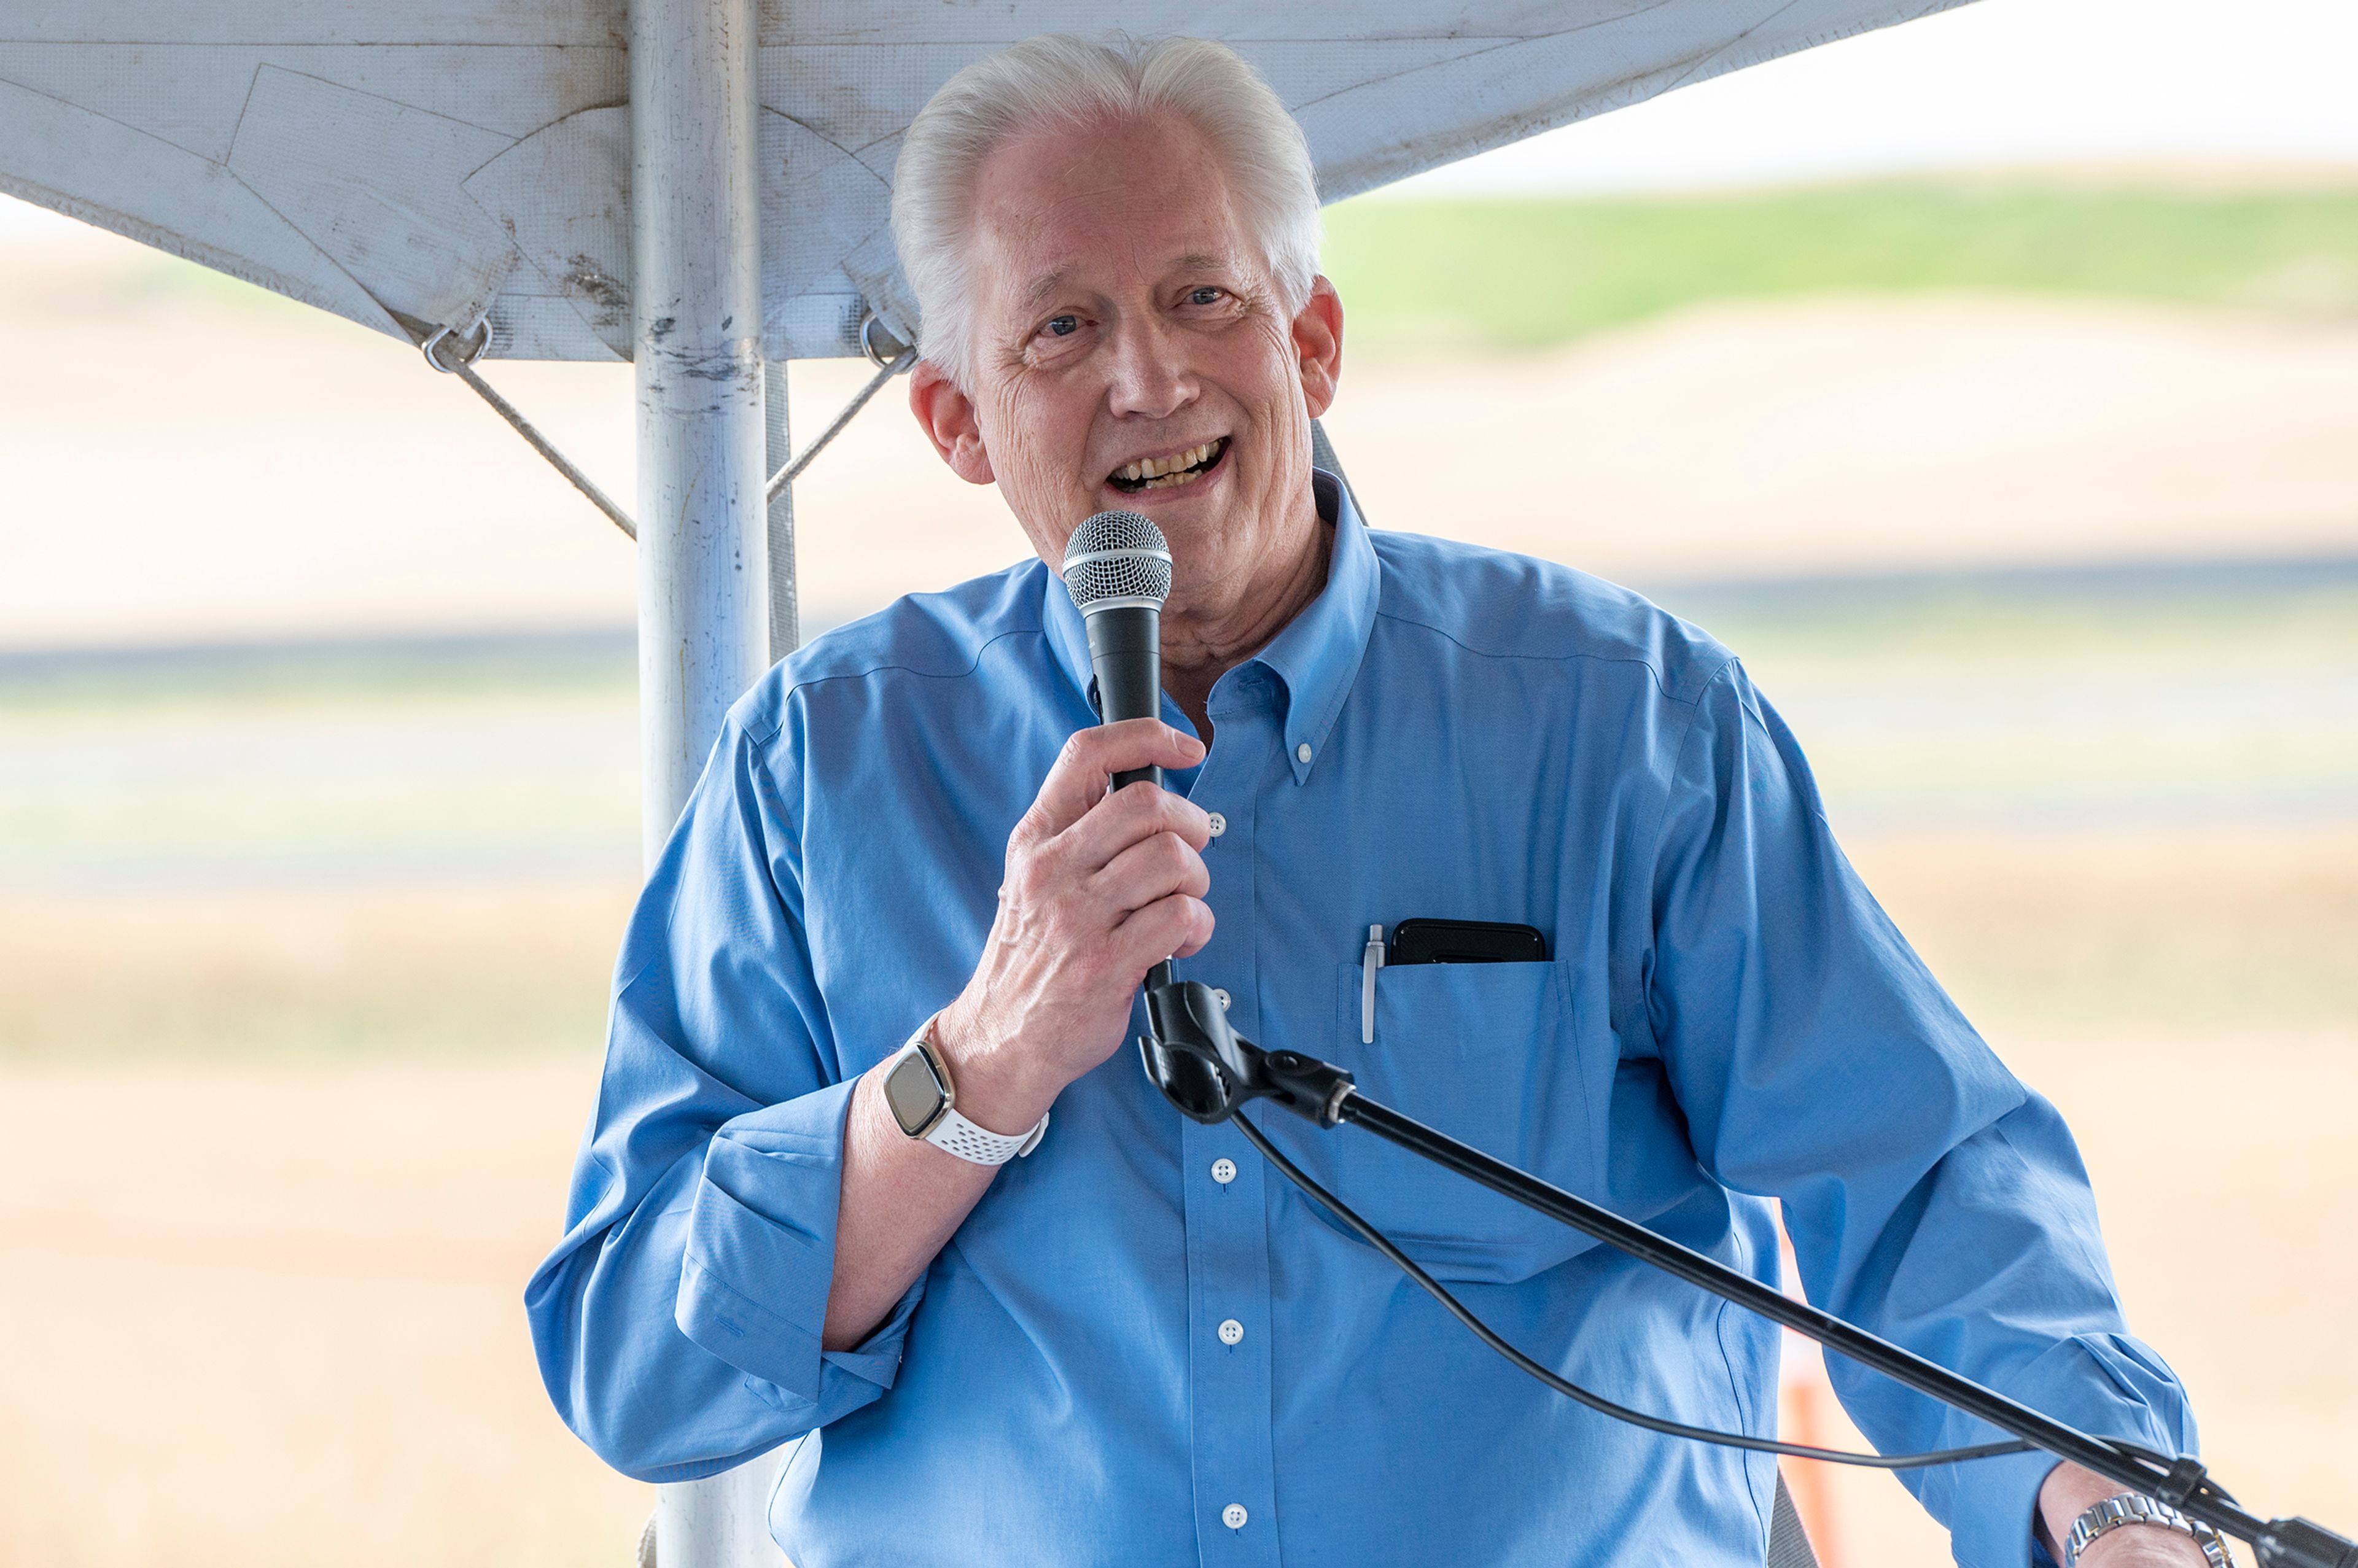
(1204, 294)
(1062, 326)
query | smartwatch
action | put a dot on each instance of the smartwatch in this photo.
(918, 1089)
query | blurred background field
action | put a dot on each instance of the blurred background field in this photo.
(2031, 498)
(1448, 276)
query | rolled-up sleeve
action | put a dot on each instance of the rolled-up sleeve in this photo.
(677, 1323)
(1931, 1198)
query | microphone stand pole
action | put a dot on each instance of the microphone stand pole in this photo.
(1209, 1072)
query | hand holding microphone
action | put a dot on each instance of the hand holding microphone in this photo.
(1101, 884)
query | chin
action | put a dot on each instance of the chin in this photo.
(1203, 566)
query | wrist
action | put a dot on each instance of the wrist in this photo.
(999, 1085)
(2068, 1492)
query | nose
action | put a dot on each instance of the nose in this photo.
(1152, 376)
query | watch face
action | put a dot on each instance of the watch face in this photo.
(914, 1092)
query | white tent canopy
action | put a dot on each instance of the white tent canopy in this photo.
(416, 166)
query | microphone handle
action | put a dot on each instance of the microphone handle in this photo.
(1126, 657)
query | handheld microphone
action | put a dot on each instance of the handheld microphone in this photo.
(1117, 570)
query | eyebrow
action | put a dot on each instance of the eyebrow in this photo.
(1050, 284)
(1044, 286)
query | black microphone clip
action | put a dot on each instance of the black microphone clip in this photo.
(1209, 1071)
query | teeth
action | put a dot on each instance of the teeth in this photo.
(1147, 470)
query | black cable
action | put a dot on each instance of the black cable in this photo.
(1574, 1391)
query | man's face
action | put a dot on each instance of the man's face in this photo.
(1130, 351)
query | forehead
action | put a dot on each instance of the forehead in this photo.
(1097, 207)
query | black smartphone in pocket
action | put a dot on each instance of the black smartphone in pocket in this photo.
(1421, 941)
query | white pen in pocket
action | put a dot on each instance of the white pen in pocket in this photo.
(1370, 962)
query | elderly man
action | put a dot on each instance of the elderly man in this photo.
(1133, 1345)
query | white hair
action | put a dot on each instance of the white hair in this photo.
(1056, 79)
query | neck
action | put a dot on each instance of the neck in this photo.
(1198, 648)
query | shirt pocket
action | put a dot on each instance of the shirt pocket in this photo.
(1488, 1053)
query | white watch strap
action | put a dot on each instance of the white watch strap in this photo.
(952, 1134)
(978, 1145)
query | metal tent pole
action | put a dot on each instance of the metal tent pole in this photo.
(697, 310)
(704, 625)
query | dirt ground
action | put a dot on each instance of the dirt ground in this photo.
(271, 1315)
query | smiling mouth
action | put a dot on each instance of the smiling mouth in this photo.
(1163, 473)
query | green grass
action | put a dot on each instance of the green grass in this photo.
(2256, 616)
(1526, 273)
(332, 671)
(1518, 274)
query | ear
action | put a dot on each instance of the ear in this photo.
(1318, 340)
(947, 415)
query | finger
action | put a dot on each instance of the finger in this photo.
(1130, 815)
(1149, 870)
(1178, 926)
(1077, 779)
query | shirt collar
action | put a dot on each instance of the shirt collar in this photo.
(1316, 657)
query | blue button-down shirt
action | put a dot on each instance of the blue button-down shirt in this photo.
(1143, 1347)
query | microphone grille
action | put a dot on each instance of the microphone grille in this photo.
(1118, 556)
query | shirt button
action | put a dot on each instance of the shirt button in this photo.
(1233, 1515)
(1223, 1171)
(1219, 825)
(1221, 996)
(1302, 752)
(1231, 1331)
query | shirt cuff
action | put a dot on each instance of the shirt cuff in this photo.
(2106, 1385)
(760, 1261)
